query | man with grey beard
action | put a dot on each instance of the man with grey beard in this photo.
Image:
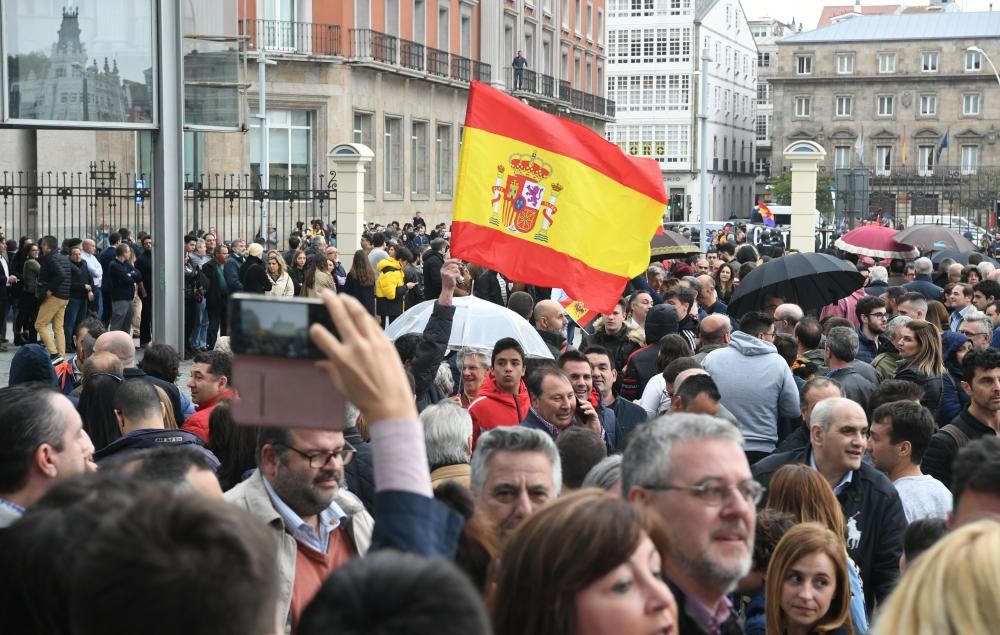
(297, 491)
(691, 470)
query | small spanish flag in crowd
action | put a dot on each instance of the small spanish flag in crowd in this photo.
(549, 202)
(766, 214)
(576, 310)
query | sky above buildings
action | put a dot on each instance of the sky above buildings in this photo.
(807, 11)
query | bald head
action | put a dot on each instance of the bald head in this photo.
(549, 317)
(102, 363)
(715, 329)
(955, 272)
(119, 344)
(787, 316)
(827, 411)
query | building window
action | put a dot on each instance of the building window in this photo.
(649, 46)
(973, 61)
(759, 31)
(764, 60)
(928, 105)
(669, 144)
(762, 166)
(803, 106)
(885, 105)
(883, 160)
(290, 146)
(600, 26)
(763, 128)
(971, 104)
(418, 159)
(843, 106)
(929, 61)
(443, 159)
(970, 159)
(590, 22)
(392, 156)
(845, 63)
(925, 160)
(842, 157)
(577, 17)
(364, 134)
(887, 62)
(803, 64)
(565, 14)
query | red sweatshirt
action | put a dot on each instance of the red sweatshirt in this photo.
(492, 408)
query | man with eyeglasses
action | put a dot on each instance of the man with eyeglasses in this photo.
(871, 505)
(873, 315)
(296, 490)
(690, 469)
(978, 327)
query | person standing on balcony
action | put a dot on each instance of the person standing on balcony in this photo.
(519, 64)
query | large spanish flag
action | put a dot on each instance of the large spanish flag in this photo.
(547, 201)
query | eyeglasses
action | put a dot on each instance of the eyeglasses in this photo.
(715, 493)
(971, 334)
(319, 460)
(770, 334)
(878, 316)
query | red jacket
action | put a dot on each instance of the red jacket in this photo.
(198, 422)
(492, 408)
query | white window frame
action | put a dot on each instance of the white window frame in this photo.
(969, 99)
(886, 63)
(803, 106)
(282, 121)
(928, 106)
(925, 160)
(803, 64)
(843, 106)
(883, 100)
(392, 157)
(969, 159)
(419, 158)
(973, 61)
(364, 132)
(842, 157)
(930, 61)
(883, 160)
(445, 179)
(845, 63)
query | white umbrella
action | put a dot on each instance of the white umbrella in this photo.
(478, 324)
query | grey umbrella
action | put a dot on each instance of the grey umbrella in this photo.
(935, 237)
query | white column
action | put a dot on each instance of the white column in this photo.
(350, 160)
(805, 157)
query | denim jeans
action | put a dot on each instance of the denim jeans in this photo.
(76, 310)
(199, 336)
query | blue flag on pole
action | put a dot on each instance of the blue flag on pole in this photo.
(942, 145)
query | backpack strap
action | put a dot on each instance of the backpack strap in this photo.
(957, 434)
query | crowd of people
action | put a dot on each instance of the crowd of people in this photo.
(672, 469)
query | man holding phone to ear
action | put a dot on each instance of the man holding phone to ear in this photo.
(555, 405)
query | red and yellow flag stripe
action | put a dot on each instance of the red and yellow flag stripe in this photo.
(587, 224)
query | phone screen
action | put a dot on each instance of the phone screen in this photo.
(276, 328)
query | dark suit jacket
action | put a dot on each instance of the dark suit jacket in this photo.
(171, 389)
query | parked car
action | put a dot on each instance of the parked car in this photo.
(959, 223)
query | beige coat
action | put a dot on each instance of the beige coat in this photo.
(282, 287)
(251, 496)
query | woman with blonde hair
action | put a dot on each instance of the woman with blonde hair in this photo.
(801, 491)
(922, 360)
(950, 589)
(587, 564)
(807, 584)
(277, 273)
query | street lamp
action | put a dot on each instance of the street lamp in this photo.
(976, 49)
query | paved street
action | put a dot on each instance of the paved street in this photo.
(8, 355)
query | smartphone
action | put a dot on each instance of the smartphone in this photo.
(274, 364)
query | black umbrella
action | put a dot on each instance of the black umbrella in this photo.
(958, 256)
(670, 244)
(810, 280)
(934, 237)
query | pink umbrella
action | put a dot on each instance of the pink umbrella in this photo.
(875, 241)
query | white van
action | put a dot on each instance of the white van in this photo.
(958, 223)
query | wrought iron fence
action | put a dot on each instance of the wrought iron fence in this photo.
(437, 62)
(96, 202)
(411, 55)
(370, 44)
(294, 37)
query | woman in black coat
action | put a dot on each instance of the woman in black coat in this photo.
(253, 274)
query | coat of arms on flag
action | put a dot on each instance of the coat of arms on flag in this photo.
(519, 200)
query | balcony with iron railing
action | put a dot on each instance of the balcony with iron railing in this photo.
(364, 46)
(526, 82)
(282, 36)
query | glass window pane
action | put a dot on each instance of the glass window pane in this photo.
(100, 57)
(278, 150)
(300, 147)
(300, 117)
